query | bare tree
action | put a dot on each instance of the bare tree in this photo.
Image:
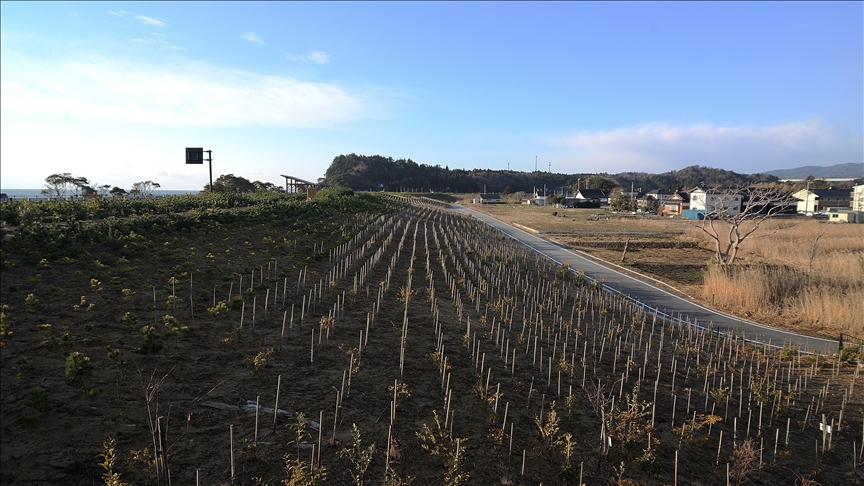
(735, 214)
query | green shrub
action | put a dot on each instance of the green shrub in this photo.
(219, 311)
(32, 303)
(259, 361)
(171, 323)
(129, 318)
(37, 400)
(77, 366)
(152, 340)
(852, 354)
(4, 324)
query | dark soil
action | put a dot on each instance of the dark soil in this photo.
(56, 440)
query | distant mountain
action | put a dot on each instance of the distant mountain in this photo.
(855, 170)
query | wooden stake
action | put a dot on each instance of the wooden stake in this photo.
(276, 405)
(320, 429)
(719, 445)
(231, 432)
(257, 402)
(676, 468)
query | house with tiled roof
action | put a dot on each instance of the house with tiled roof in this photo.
(592, 195)
(490, 198)
(676, 203)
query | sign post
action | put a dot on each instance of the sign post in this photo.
(195, 155)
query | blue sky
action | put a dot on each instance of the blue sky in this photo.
(115, 91)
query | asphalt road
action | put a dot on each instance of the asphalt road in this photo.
(656, 298)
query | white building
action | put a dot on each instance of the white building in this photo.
(858, 197)
(816, 200)
(727, 201)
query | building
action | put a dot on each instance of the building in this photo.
(591, 195)
(655, 201)
(490, 199)
(858, 197)
(816, 200)
(845, 215)
(677, 203)
(727, 201)
(659, 195)
(538, 200)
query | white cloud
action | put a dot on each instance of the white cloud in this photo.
(160, 42)
(316, 57)
(183, 94)
(154, 21)
(253, 37)
(659, 147)
(319, 57)
(144, 19)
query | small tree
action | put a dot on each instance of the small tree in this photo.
(359, 456)
(144, 188)
(737, 214)
(65, 184)
(267, 187)
(232, 183)
(439, 442)
(619, 201)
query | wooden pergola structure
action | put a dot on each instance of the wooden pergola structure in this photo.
(293, 185)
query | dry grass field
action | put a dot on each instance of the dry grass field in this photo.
(797, 273)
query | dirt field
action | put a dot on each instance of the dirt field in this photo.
(474, 302)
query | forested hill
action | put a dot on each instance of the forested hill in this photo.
(361, 172)
(372, 173)
(688, 178)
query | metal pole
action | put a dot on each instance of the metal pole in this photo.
(210, 161)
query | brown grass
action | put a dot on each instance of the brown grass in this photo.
(782, 295)
(780, 284)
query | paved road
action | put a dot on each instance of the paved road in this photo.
(654, 297)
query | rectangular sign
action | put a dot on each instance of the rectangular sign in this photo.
(194, 155)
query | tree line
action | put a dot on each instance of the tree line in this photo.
(376, 172)
(65, 185)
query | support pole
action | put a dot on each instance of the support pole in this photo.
(210, 162)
